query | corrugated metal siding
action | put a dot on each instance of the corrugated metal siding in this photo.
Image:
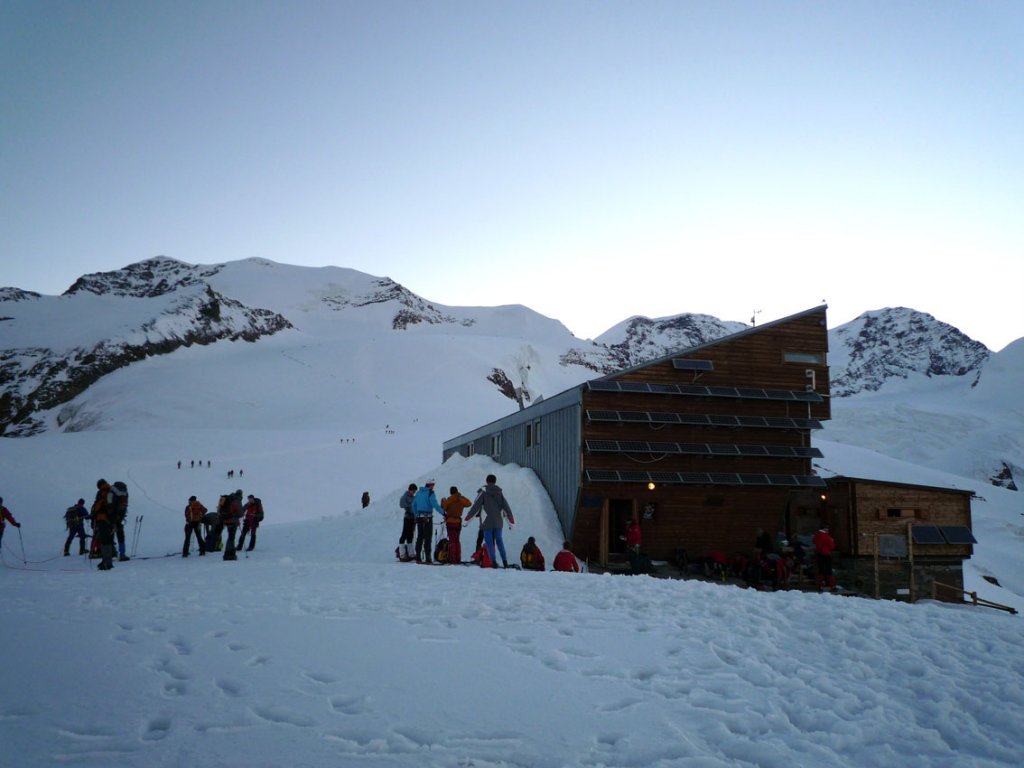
(556, 460)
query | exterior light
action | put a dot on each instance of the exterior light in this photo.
(651, 486)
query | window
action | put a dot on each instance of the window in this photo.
(495, 445)
(470, 449)
(536, 432)
(895, 513)
(529, 435)
(804, 358)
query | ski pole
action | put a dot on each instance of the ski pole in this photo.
(138, 532)
(22, 542)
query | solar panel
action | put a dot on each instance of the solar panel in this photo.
(666, 418)
(665, 477)
(694, 478)
(681, 364)
(602, 475)
(782, 480)
(753, 478)
(627, 476)
(663, 447)
(724, 421)
(779, 451)
(752, 421)
(811, 481)
(692, 389)
(752, 450)
(807, 397)
(724, 478)
(722, 391)
(603, 386)
(602, 445)
(633, 445)
(926, 534)
(957, 534)
(751, 393)
(634, 416)
(698, 448)
(723, 449)
(695, 419)
(603, 415)
(633, 386)
(663, 389)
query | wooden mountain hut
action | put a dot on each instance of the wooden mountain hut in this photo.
(703, 446)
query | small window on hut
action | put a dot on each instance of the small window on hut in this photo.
(804, 358)
(529, 435)
(897, 512)
(536, 432)
(471, 449)
(495, 445)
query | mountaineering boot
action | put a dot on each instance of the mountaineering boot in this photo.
(124, 558)
(66, 553)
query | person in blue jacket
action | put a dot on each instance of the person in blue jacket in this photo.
(424, 503)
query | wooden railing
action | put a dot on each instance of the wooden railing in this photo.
(974, 599)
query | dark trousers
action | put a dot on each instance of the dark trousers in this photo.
(79, 531)
(408, 529)
(425, 538)
(229, 546)
(191, 528)
(105, 532)
(454, 544)
(247, 527)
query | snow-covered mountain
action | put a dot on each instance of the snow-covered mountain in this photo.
(331, 348)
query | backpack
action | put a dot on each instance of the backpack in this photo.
(259, 510)
(482, 557)
(71, 517)
(441, 551)
(120, 491)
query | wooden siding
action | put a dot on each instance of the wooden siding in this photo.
(865, 504)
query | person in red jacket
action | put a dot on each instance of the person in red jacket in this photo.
(824, 545)
(453, 506)
(6, 517)
(633, 536)
(566, 560)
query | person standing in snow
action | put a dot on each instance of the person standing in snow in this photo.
(566, 560)
(253, 515)
(194, 512)
(404, 549)
(424, 504)
(103, 523)
(453, 506)
(75, 518)
(6, 517)
(824, 545)
(230, 514)
(492, 503)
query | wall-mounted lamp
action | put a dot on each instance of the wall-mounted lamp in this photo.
(651, 486)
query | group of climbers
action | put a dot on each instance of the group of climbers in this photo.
(225, 520)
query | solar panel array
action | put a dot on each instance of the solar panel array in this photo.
(702, 449)
(942, 534)
(704, 420)
(697, 390)
(703, 478)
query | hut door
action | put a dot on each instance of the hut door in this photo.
(620, 512)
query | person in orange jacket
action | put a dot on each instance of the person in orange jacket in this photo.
(103, 523)
(824, 545)
(453, 504)
(6, 517)
(194, 512)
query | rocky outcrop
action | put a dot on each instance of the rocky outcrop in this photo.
(898, 343)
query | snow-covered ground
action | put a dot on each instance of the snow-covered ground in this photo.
(320, 649)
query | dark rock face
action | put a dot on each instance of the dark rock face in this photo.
(185, 311)
(895, 344)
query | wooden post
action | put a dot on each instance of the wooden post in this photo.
(910, 553)
(878, 587)
(602, 546)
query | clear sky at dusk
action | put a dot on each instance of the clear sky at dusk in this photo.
(629, 158)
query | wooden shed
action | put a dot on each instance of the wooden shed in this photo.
(897, 540)
(703, 446)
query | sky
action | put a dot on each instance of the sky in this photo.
(592, 161)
